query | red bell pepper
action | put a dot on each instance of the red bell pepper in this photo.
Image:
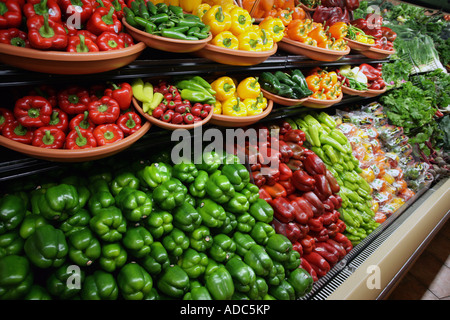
(34, 8)
(33, 111)
(285, 172)
(295, 164)
(302, 181)
(282, 209)
(107, 133)
(370, 72)
(308, 244)
(49, 138)
(288, 186)
(332, 230)
(59, 119)
(129, 122)
(122, 93)
(108, 41)
(105, 110)
(48, 92)
(344, 241)
(14, 37)
(118, 6)
(339, 247)
(264, 195)
(275, 191)
(104, 20)
(374, 22)
(128, 40)
(10, 14)
(336, 200)
(80, 43)
(321, 235)
(322, 188)
(45, 34)
(82, 120)
(87, 34)
(316, 224)
(15, 131)
(303, 208)
(318, 263)
(332, 182)
(83, 8)
(328, 252)
(352, 4)
(305, 265)
(341, 226)
(295, 135)
(297, 247)
(285, 150)
(6, 116)
(272, 175)
(297, 149)
(359, 23)
(315, 203)
(388, 33)
(258, 178)
(74, 100)
(269, 155)
(80, 138)
(313, 164)
(102, 4)
(252, 152)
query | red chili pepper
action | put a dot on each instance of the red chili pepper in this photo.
(6, 116)
(104, 20)
(42, 7)
(49, 138)
(282, 209)
(305, 265)
(275, 191)
(33, 111)
(313, 164)
(59, 119)
(82, 120)
(105, 110)
(167, 116)
(107, 133)
(15, 131)
(129, 122)
(108, 41)
(188, 118)
(177, 118)
(80, 138)
(302, 181)
(14, 37)
(122, 93)
(74, 100)
(308, 244)
(80, 43)
(318, 263)
(83, 8)
(11, 14)
(45, 34)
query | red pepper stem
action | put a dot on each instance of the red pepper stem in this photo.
(48, 139)
(131, 123)
(108, 19)
(80, 141)
(46, 31)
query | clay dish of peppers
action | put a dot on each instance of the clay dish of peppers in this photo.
(232, 121)
(283, 100)
(165, 43)
(235, 57)
(60, 62)
(315, 53)
(321, 104)
(375, 53)
(358, 46)
(167, 125)
(76, 155)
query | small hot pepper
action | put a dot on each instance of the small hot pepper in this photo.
(122, 93)
(105, 110)
(33, 111)
(80, 43)
(74, 100)
(16, 132)
(10, 14)
(104, 20)
(107, 133)
(14, 37)
(80, 139)
(48, 137)
(130, 122)
(46, 34)
(107, 41)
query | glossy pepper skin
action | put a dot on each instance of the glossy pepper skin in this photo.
(122, 180)
(186, 217)
(14, 37)
(137, 241)
(174, 281)
(261, 211)
(185, 171)
(170, 194)
(218, 19)
(33, 111)
(12, 212)
(11, 244)
(278, 247)
(100, 285)
(47, 247)
(237, 174)
(134, 282)
(243, 243)
(157, 260)
(59, 202)
(122, 93)
(84, 247)
(37, 292)
(257, 258)
(159, 223)
(213, 214)
(104, 110)
(200, 239)
(104, 20)
(108, 224)
(223, 248)
(49, 138)
(30, 223)
(193, 263)
(79, 43)
(16, 277)
(261, 232)
(197, 292)
(17, 132)
(209, 161)
(197, 187)
(219, 187)
(34, 8)
(243, 276)
(11, 14)
(45, 34)
(107, 133)
(56, 283)
(284, 291)
(113, 256)
(176, 242)
(154, 175)
(220, 284)
(135, 204)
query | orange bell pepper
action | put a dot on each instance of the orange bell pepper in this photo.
(298, 13)
(284, 15)
(338, 30)
(310, 41)
(318, 34)
(284, 4)
(313, 82)
(319, 95)
(297, 31)
(266, 5)
(333, 77)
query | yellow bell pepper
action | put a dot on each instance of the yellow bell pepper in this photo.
(234, 107)
(224, 87)
(262, 101)
(190, 5)
(252, 106)
(217, 107)
(200, 10)
(266, 40)
(250, 41)
(249, 88)
(227, 40)
(241, 21)
(217, 19)
(274, 26)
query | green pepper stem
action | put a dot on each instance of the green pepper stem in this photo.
(18, 42)
(219, 15)
(82, 47)
(85, 123)
(48, 138)
(108, 18)
(3, 8)
(108, 135)
(81, 140)
(33, 113)
(131, 123)
(46, 31)
(20, 130)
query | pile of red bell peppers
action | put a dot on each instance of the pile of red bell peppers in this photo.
(372, 25)
(64, 25)
(73, 117)
(303, 194)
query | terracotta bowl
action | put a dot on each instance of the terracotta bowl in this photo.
(353, 92)
(230, 121)
(60, 62)
(164, 43)
(375, 53)
(282, 100)
(234, 57)
(315, 53)
(321, 104)
(358, 46)
(374, 93)
(169, 126)
(65, 155)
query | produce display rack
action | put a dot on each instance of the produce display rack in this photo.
(339, 283)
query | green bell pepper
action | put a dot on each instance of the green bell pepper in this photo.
(175, 242)
(223, 248)
(37, 292)
(258, 259)
(47, 247)
(229, 225)
(113, 256)
(293, 260)
(16, 277)
(261, 232)
(259, 289)
(157, 260)
(186, 217)
(159, 223)
(153, 294)
(261, 211)
(58, 202)
(283, 291)
(237, 174)
(174, 281)
(78, 221)
(100, 285)
(237, 204)
(57, 282)
(12, 212)
(135, 204)
(124, 179)
(213, 214)
(239, 296)
(277, 274)
(197, 292)
(193, 263)
(30, 223)
(243, 243)
(219, 188)
(190, 199)
(155, 174)
(134, 282)
(108, 224)
(100, 200)
(200, 239)
(301, 281)
(84, 247)
(245, 223)
(220, 284)
(278, 247)
(170, 194)
(197, 187)
(137, 241)
(185, 171)
(243, 276)
(11, 244)
(251, 192)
